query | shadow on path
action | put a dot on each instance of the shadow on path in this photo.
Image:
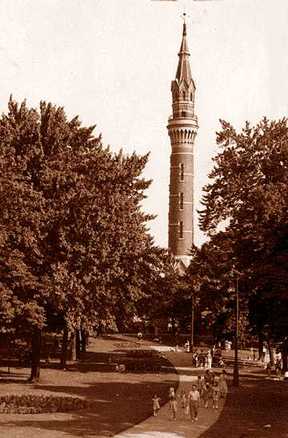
(248, 409)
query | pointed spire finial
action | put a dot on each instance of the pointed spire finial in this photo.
(183, 70)
(184, 22)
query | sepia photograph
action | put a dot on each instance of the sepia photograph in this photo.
(143, 218)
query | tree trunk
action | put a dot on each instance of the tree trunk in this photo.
(64, 347)
(260, 346)
(78, 343)
(35, 355)
(84, 340)
(285, 356)
(73, 353)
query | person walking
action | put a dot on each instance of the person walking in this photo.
(195, 360)
(278, 368)
(223, 387)
(173, 403)
(187, 346)
(201, 359)
(184, 402)
(209, 360)
(194, 400)
(209, 377)
(206, 394)
(269, 369)
(156, 404)
(215, 395)
(200, 387)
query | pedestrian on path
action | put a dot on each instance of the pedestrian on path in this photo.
(184, 403)
(223, 387)
(215, 395)
(201, 359)
(194, 400)
(156, 404)
(209, 377)
(278, 368)
(209, 359)
(173, 403)
(207, 394)
(195, 359)
(200, 386)
(269, 369)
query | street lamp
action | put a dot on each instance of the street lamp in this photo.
(192, 321)
(195, 290)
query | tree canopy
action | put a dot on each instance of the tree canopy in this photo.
(73, 236)
(246, 205)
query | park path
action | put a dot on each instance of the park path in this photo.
(163, 427)
(123, 404)
(257, 409)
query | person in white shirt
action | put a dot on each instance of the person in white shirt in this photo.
(194, 400)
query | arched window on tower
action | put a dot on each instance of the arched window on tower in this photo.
(181, 201)
(181, 172)
(181, 230)
(191, 96)
(183, 95)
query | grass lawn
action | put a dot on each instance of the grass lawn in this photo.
(120, 400)
(122, 403)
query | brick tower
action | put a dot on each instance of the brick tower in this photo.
(182, 129)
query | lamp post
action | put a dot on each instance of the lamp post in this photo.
(236, 363)
(192, 321)
(194, 302)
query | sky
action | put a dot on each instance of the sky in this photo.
(112, 62)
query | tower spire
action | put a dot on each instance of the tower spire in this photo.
(183, 69)
(182, 130)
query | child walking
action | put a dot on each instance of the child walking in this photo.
(200, 386)
(184, 403)
(215, 395)
(156, 404)
(194, 399)
(206, 394)
(173, 403)
(223, 387)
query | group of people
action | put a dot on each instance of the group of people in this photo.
(205, 392)
(204, 359)
(276, 366)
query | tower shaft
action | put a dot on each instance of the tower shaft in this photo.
(182, 129)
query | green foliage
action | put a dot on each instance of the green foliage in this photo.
(248, 200)
(73, 238)
(160, 283)
(211, 280)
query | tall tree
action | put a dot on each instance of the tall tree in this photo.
(71, 226)
(248, 198)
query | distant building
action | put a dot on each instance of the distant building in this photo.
(182, 129)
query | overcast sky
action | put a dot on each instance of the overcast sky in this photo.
(112, 62)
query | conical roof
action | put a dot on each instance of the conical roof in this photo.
(184, 69)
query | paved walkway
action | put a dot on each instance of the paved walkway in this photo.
(123, 402)
(257, 409)
(163, 427)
